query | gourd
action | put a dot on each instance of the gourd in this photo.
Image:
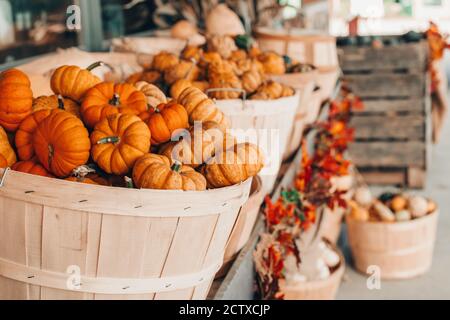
(398, 203)
(154, 171)
(199, 144)
(164, 61)
(108, 98)
(222, 20)
(73, 82)
(118, 141)
(221, 76)
(164, 120)
(183, 30)
(182, 84)
(31, 167)
(251, 80)
(61, 143)
(183, 70)
(270, 90)
(200, 108)
(7, 155)
(153, 94)
(233, 166)
(147, 76)
(25, 133)
(418, 206)
(223, 45)
(192, 52)
(272, 63)
(56, 102)
(16, 99)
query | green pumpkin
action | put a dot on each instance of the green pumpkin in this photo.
(244, 41)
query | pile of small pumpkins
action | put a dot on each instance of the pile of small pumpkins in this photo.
(102, 133)
(224, 68)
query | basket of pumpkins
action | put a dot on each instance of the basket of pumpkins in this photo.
(303, 77)
(233, 72)
(94, 204)
(395, 232)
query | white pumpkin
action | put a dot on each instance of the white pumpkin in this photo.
(363, 196)
(223, 21)
(418, 206)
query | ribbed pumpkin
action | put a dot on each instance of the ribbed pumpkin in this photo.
(25, 133)
(16, 99)
(200, 108)
(118, 141)
(269, 91)
(108, 98)
(192, 52)
(31, 167)
(183, 70)
(233, 166)
(73, 82)
(199, 144)
(147, 76)
(164, 120)
(61, 143)
(153, 94)
(224, 45)
(154, 171)
(163, 61)
(251, 80)
(7, 155)
(221, 76)
(56, 102)
(178, 87)
(272, 62)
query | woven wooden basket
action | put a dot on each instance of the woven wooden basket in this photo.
(268, 124)
(243, 228)
(315, 290)
(64, 240)
(305, 46)
(401, 250)
(305, 83)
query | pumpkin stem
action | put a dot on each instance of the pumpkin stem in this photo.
(115, 101)
(155, 109)
(129, 182)
(176, 167)
(61, 102)
(109, 140)
(99, 64)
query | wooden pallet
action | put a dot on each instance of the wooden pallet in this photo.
(392, 137)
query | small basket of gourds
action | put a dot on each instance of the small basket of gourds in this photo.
(395, 232)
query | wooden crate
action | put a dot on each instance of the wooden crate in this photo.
(393, 136)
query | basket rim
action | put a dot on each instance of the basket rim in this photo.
(58, 193)
(429, 216)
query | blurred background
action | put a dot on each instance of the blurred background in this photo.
(31, 28)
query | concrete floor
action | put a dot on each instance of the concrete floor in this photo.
(436, 283)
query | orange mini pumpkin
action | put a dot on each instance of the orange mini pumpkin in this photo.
(164, 120)
(108, 98)
(73, 82)
(25, 134)
(118, 141)
(56, 102)
(31, 167)
(61, 143)
(16, 99)
(154, 171)
(7, 155)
